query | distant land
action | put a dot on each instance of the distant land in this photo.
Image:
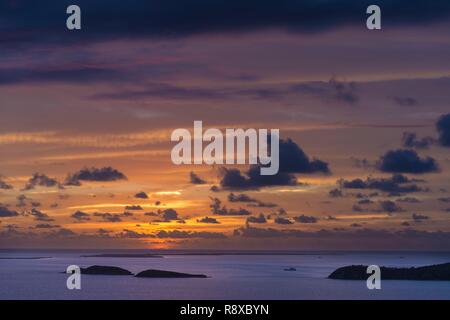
(123, 255)
(151, 273)
(433, 272)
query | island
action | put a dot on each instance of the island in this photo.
(290, 269)
(106, 270)
(151, 273)
(359, 272)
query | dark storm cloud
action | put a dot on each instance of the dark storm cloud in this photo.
(31, 22)
(292, 160)
(305, 219)
(443, 128)
(141, 195)
(80, 216)
(5, 212)
(398, 183)
(94, 174)
(41, 180)
(195, 179)
(410, 140)
(406, 161)
(208, 220)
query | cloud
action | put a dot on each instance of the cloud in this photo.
(390, 206)
(344, 91)
(252, 201)
(406, 161)
(169, 214)
(46, 226)
(408, 200)
(80, 216)
(109, 217)
(181, 234)
(281, 220)
(397, 183)
(133, 207)
(419, 218)
(4, 185)
(195, 179)
(104, 174)
(410, 140)
(405, 101)
(292, 160)
(61, 233)
(126, 233)
(443, 128)
(358, 234)
(41, 180)
(40, 216)
(80, 75)
(208, 220)
(335, 193)
(305, 219)
(217, 208)
(164, 19)
(5, 212)
(257, 219)
(141, 195)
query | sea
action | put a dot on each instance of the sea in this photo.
(40, 275)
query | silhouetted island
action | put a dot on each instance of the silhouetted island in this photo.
(167, 274)
(106, 270)
(434, 272)
(123, 255)
(290, 269)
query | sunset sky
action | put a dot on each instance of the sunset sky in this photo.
(86, 118)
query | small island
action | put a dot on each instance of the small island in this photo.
(290, 269)
(106, 270)
(151, 273)
(434, 272)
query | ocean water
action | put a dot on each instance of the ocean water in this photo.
(229, 276)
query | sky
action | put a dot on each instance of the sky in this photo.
(86, 118)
